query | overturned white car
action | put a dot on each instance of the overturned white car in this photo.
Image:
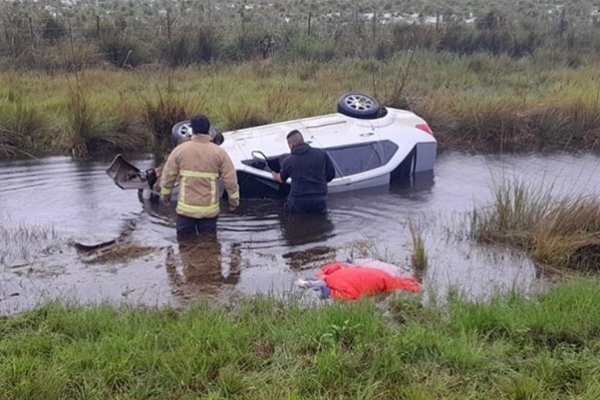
(369, 146)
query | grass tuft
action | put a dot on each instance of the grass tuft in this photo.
(419, 255)
(243, 117)
(161, 114)
(554, 230)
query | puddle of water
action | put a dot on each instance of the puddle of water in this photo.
(259, 249)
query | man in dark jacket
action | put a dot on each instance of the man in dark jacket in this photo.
(310, 170)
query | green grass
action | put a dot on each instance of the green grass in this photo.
(511, 348)
(480, 102)
(557, 230)
(419, 255)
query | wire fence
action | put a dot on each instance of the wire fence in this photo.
(199, 35)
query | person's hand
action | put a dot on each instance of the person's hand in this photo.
(276, 176)
(166, 200)
(232, 208)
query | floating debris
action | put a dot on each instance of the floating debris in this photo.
(118, 250)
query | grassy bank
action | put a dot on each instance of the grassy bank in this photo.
(554, 229)
(512, 348)
(480, 102)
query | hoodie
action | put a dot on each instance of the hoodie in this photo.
(310, 170)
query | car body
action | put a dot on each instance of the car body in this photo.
(366, 150)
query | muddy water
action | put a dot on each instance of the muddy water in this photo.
(54, 211)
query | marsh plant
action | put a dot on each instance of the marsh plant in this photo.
(83, 119)
(162, 112)
(478, 102)
(418, 254)
(557, 230)
(22, 244)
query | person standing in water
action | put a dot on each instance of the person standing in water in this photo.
(310, 170)
(199, 164)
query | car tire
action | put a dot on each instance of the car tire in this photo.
(183, 131)
(358, 105)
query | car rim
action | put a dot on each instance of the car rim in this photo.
(359, 103)
(184, 130)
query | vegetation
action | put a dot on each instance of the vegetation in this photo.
(511, 348)
(178, 33)
(20, 245)
(561, 231)
(114, 76)
(419, 255)
(481, 102)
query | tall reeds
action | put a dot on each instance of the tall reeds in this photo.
(418, 255)
(21, 244)
(20, 125)
(557, 230)
(478, 102)
(161, 113)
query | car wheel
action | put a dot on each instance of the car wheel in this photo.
(183, 131)
(358, 105)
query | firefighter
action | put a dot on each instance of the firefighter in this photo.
(199, 164)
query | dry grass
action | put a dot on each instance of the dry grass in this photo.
(557, 231)
(161, 114)
(474, 102)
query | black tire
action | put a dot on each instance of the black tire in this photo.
(358, 105)
(183, 130)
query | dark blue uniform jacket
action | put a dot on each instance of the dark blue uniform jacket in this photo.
(310, 170)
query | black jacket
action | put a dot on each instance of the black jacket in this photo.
(310, 170)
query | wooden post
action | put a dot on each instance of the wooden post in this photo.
(97, 27)
(6, 35)
(31, 32)
(309, 21)
(168, 25)
(374, 25)
(209, 13)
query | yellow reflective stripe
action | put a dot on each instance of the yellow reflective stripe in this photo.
(198, 209)
(197, 174)
(182, 185)
(235, 195)
(165, 190)
(213, 191)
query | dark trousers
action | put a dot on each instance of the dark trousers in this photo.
(306, 204)
(187, 226)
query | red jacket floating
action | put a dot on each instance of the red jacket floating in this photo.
(350, 282)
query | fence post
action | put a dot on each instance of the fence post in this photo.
(97, 27)
(309, 21)
(209, 13)
(31, 32)
(70, 30)
(374, 25)
(168, 25)
(6, 35)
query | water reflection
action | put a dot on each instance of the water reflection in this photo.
(417, 187)
(299, 229)
(202, 270)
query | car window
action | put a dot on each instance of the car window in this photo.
(350, 160)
